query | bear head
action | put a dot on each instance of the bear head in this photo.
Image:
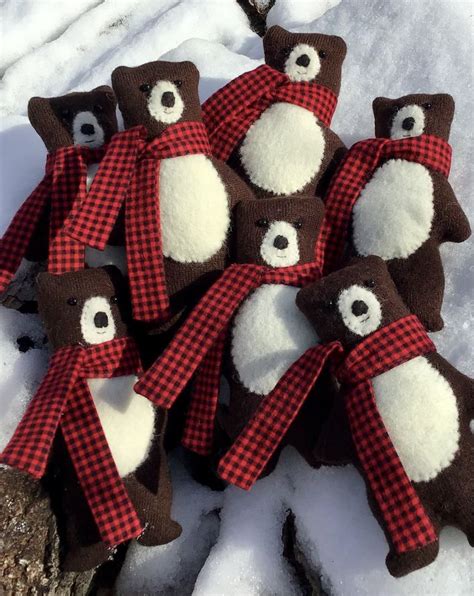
(157, 94)
(353, 302)
(85, 118)
(413, 115)
(83, 307)
(277, 232)
(311, 57)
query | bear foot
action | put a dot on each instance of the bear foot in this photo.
(155, 535)
(399, 565)
(84, 558)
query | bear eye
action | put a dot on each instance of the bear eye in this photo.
(65, 113)
(72, 301)
(395, 109)
(114, 300)
(322, 54)
(326, 305)
(178, 83)
(98, 108)
(298, 224)
(369, 283)
(262, 222)
(428, 105)
(145, 88)
(287, 51)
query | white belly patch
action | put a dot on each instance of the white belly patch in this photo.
(283, 150)
(268, 335)
(392, 217)
(420, 412)
(194, 209)
(128, 420)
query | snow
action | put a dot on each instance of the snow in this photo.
(231, 542)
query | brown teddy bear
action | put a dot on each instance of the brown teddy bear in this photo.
(248, 321)
(272, 124)
(111, 467)
(391, 198)
(409, 412)
(76, 129)
(178, 208)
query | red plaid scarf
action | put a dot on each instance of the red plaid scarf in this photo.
(405, 518)
(64, 400)
(63, 185)
(93, 223)
(200, 343)
(230, 111)
(353, 174)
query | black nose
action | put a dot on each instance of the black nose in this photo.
(303, 60)
(359, 308)
(87, 129)
(167, 99)
(101, 319)
(408, 123)
(280, 242)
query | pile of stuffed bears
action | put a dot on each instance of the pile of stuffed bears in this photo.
(242, 239)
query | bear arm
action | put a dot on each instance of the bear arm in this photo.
(237, 189)
(452, 220)
(335, 445)
(333, 155)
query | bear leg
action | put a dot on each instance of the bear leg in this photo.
(402, 564)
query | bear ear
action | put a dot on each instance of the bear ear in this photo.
(340, 45)
(446, 103)
(108, 94)
(191, 70)
(43, 119)
(380, 104)
(119, 76)
(275, 31)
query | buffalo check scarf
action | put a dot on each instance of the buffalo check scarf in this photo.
(63, 401)
(93, 222)
(230, 111)
(199, 344)
(405, 518)
(355, 171)
(63, 185)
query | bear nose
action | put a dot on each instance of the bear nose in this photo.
(408, 123)
(303, 60)
(101, 320)
(167, 99)
(280, 242)
(359, 308)
(87, 129)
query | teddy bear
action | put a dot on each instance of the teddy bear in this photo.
(391, 198)
(179, 202)
(102, 440)
(408, 412)
(247, 326)
(272, 124)
(76, 129)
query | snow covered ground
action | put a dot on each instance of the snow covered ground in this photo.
(395, 47)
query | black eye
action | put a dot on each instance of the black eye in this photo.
(327, 305)
(395, 109)
(262, 222)
(322, 54)
(287, 51)
(428, 106)
(298, 224)
(98, 108)
(145, 88)
(114, 300)
(72, 301)
(369, 283)
(65, 113)
(178, 83)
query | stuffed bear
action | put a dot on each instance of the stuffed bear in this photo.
(426, 406)
(75, 129)
(272, 124)
(403, 206)
(249, 323)
(111, 467)
(179, 204)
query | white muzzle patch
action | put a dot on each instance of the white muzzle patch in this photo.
(360, 310)
(97, 321)
(279, 246)
(303, 63)
(87, 131)
(409, 121)
(165, 103)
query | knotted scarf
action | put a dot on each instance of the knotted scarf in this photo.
(93, 222)
(355, 171)
(64, 401)
(230, 111)
(199, 344)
